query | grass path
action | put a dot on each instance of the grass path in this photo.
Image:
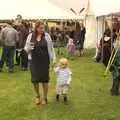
(89, 97)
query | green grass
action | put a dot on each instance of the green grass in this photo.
(89, 96)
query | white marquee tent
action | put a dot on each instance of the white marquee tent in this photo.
(32, 9)
(109, 7)
(93, 9)
(105, 7)
(44, 9)
(90, 20)
(76, 5)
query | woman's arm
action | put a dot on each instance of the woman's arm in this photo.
(27, 47)
(51, 50)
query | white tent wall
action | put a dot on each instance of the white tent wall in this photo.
(99, 29)
(90, 24)
(90, 41)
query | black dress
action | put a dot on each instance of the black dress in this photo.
(106, 51)
(82, 38)
(40, 62)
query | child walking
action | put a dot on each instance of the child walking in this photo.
(64, 77)
(70, 47)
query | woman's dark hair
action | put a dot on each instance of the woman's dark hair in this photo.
(37, 25)
(107, 33)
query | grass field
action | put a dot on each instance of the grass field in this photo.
(89, 96)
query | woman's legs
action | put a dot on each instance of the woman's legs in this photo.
(45, 91)
(36, 87)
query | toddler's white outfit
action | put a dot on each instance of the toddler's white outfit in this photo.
(63, 80)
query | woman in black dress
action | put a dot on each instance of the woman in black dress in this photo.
(75, 35)
(82, 37)
(106, 45)
(40, 47)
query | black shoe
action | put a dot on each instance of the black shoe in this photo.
(57, 98)
(0, 70)
(114, 93)
(65, 100)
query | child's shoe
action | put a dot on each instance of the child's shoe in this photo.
(65, 100)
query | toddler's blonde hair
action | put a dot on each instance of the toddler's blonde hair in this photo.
(63, 63)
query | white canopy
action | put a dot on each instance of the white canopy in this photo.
(99, 7)
(105, 7)
(90, 20)
(76, 5)
(32, 9)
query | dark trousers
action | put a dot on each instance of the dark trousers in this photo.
(115, 86)
(7, 54)
(17, 57)
(22, 58)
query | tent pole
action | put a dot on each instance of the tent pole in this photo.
(103, 18)
(97, 38)
(111, 31)
(61, 25)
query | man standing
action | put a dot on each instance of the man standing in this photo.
(9, 37)
(23, 33)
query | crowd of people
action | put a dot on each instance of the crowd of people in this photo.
(76, 32)
(13, 37)
(33, 48)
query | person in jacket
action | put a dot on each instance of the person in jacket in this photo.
(9, 37)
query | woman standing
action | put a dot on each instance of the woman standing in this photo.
(75, 35)
(106, 44)
(40, 49)
(82, 39)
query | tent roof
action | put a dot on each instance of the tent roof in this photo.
(98, 7)
(76, 5)
(105, 7)
(33, 9)
(67, 4)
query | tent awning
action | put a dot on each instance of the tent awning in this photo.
(105, 7)
(33, 9)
